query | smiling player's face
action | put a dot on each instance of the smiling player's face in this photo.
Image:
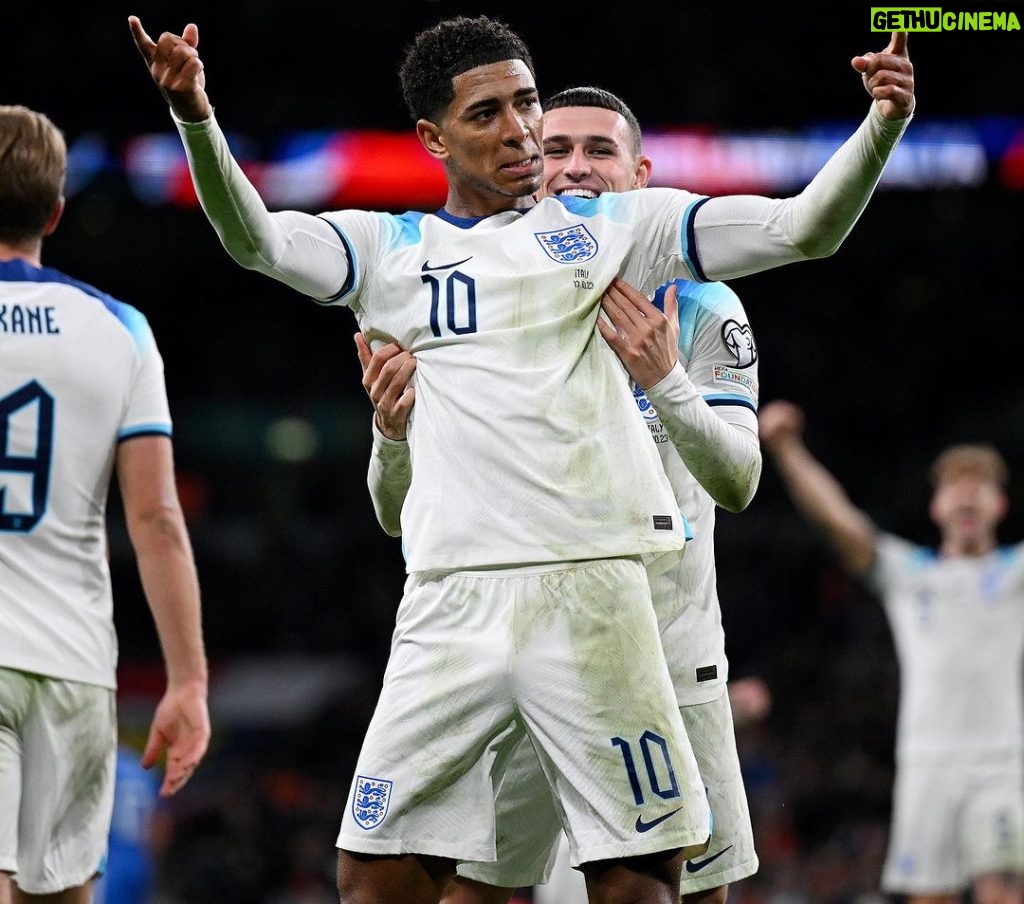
(589, 150)
(489, 139)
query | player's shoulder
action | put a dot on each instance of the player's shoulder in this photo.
(899, 552)
(393, 228)
(1011, 555)
(629, 204)
(67, 289)
(714, 298)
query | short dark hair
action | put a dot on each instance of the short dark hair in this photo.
(589, 96)
(35, 157)
(447, 49)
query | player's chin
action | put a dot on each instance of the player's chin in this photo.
(520, 181)
(521, 188)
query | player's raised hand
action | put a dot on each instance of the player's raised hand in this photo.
(173, 62)
(181, 726)
(778, 421)
(387, 379)
(889, 77)
(645, 339)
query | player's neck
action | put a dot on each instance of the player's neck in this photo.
(474, 206)
(30, 253)
(960, 547)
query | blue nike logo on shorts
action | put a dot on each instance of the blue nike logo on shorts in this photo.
(694, 866)
(642, 826)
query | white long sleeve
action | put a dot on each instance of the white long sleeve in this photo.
(742, 234)
(388, 478)
(299, 249)
(724, 458)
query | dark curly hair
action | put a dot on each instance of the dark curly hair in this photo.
(443, 51)
(588, 96)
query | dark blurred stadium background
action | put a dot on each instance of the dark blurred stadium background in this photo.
(905, 340)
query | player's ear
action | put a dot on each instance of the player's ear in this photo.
(643, 171)
(58, 212)
(430, 137)
(1003, 508)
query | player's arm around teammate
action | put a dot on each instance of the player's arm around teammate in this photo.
(724, 457)
(388, 381)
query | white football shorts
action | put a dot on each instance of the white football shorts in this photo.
(565, 655)
(730, 856)
(954, 821)
(531, 846)
(58, 745)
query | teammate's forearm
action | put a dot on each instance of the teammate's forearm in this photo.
(388, 478)
(724, 458)
(297, 248)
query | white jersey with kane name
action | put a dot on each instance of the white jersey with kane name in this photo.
(79, 372)
(525, 442)
(958, 625)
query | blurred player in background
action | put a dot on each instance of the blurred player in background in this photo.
(957, 617)
(81, 395)
(130, 870)
(694, 378)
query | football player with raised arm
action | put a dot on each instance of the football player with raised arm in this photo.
(527, 610)
(957, 617)
(694, 377)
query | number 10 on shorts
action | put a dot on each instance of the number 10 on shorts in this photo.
(661, 776)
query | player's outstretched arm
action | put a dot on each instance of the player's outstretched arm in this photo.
(737, 235)
(301, 250)
(156, 527)
(814, 490)
(724, 458)
(387, 379)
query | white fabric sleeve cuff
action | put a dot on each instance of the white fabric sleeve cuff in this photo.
(388, 479)
(724, 458)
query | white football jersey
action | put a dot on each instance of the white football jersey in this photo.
(717, 349)
(958, 627)
(524, 439)
(79, 372)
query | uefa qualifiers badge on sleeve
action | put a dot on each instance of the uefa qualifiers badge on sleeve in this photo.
(370, 801)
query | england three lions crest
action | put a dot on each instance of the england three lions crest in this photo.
(568, 246)
(370, 801)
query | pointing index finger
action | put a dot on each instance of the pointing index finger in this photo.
(898, 44)
(146, 45)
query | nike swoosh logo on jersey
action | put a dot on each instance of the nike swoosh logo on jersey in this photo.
(642, 826)
(695, 866)
(427, 268)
